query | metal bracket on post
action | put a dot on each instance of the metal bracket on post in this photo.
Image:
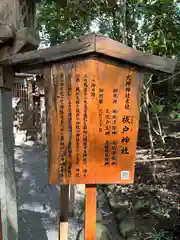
(8, 202)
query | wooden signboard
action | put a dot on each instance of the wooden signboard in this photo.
(92, 90)
(93, 120)
(93, 104)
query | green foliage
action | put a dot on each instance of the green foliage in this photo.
(63, 23)
(161, 27)
(161, 235)
(149, 25)
(152, 26)
(158, 108)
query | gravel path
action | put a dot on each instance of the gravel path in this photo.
(38, 203)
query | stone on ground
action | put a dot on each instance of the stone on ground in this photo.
(127, 227)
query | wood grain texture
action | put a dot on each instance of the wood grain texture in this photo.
(64, 212)
(6, 74)
(91, 43)
(0, 226)
(90, 212)
(24, 40)
(8, 198)
(119, 51)
(29, 35)
(74, 48)
(6, 33)
(53, 127)
(85, 141)
(9, 13)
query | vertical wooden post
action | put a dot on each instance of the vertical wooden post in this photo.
(7, 170)
(90, 212)
(42, 110)
(0, 226)
(71, 199)
(30, 105)
(43, 120)
(64, 212)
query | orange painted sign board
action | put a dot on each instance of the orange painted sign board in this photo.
(93, 120)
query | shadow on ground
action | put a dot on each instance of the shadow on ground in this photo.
(38, 203)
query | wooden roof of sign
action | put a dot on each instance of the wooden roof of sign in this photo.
(90, 44)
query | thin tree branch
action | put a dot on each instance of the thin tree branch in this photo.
(146, 103)
(166, 79)
(150, 79)
(157, 159)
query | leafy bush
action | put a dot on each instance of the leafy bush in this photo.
(161, 235)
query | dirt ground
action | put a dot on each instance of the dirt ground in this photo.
(38, 203)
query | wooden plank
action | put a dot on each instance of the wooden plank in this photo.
(28, 35)
(33, 16)
(32, 59)
(91, 43)
(95, 104)
(0, 226)
(64, 212)
(30, 106)
(119, 51)
(40, 84)
(7, 172)
(18, 12)
(6, 77)
(90, 213)
(24, 40)
(52, 129)
(72, 191)
(9, 13)
(6, 33)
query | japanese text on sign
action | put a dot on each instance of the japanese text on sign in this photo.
(62, 147)
(97, 135)
(128, 90)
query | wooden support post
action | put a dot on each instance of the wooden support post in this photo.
(30, 102)
(71, 199)
(90, 212)
(64, 212)
(0, 226)
(28, 121)
(7, 170)
(42, 110)
(43, 120)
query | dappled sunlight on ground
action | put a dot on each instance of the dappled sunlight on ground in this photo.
(38, 203)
